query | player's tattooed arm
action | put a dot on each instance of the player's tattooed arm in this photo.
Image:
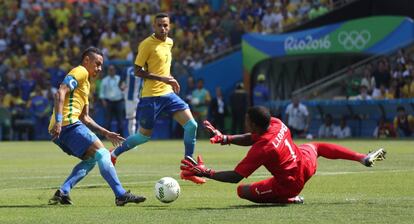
(115, 138)
(59, 99)
(88, 121)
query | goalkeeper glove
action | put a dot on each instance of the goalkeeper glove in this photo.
(218, 137)
(196, 168)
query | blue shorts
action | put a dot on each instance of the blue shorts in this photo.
(75, 139)
(149, 108)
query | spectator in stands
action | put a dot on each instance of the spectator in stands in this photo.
(200, 102)
(353, 83)
(363, 95)
(218, 109)
(304, 8)
(269, 20)
(343, 130)
(297, 118)
(112, 99)
(380, 94)
(22, 125)
(238, 104)
(407, 90)
(381, 75)
(384, 129)
(260, 91)
(403, 123)
(40, 111)
(401, 57)
(4, 117)
(237, 33)
(326, 130)
(188, 92)
(317, 10)
(56, 75)
(368, 80)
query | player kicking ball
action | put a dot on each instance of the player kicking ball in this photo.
(272, 146)
(158, 94)
(69, 128)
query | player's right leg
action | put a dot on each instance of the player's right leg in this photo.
(147, 110)
(269, 191)
(77, 140)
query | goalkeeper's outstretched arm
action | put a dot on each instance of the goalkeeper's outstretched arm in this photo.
(218, 137)
(242, 140)
(227, 176)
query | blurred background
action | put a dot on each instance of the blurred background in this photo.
(327, 68)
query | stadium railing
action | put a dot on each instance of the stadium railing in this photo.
(362, 116)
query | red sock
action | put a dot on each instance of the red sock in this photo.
(332, 151)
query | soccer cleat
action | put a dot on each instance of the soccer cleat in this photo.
(186, 175)
(60, 198)
(129, 197)
(373, 156)
(113, 158)
(297, 200)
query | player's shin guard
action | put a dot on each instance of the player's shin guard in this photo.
(190, 133)
(78, 173)
(131, 142)
(108, 171)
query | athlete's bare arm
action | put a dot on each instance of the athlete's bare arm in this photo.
(115, 138)
(242, 139)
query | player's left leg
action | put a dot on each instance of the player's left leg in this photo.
(102, 156)
(186, 120)
(182, 114)
(333, 151)
(268, 191)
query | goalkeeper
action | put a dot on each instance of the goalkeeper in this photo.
(272, 146)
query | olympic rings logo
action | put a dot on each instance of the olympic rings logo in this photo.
(354, 39)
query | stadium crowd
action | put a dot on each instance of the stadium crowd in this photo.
(387, 78)
(41, 39)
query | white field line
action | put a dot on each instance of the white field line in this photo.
(324, 173)
(260, 176)
(61, 176)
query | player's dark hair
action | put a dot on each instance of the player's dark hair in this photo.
(260, 116)
(161, 15)
(90, 51)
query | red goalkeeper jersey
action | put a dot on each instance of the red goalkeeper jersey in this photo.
(274, 150)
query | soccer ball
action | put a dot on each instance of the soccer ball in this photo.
(167, 189)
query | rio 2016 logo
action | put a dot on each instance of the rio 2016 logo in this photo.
(354, 40)
(349, 40)
(308, 43)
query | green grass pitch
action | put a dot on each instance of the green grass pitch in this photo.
(341, 191)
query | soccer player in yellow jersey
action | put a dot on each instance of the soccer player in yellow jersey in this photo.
(159, 92)
(69, 128)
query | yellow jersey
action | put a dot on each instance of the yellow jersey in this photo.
(76, 99)
(154, 56)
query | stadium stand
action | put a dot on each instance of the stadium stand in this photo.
(41, 39)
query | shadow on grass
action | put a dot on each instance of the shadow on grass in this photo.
(156, 207)
(233, 207)
(25, 206)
